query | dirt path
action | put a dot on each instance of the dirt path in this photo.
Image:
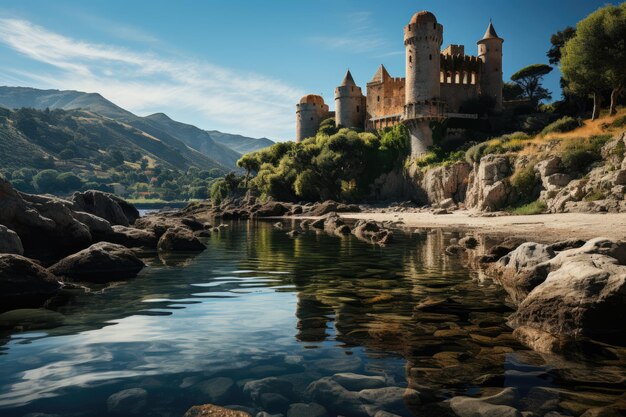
(542, 227)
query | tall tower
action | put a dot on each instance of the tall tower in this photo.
(309, 114)
(490, 52)
(423, 37)
(349, 104)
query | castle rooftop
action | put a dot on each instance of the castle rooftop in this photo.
(347, 80)
(312, 99)
(490, 33)
(423, 17)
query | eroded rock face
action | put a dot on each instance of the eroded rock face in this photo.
(488, 190)
(10, 242)
(99, 263)
(45, 224)
(179, 239)
(583, 294)
(446, 182)
(131, 237)
(19, 276)
(107, 206)
(518, 271)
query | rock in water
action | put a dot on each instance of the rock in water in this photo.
(178, 239)
(306, 410)
(128, 401)
(19, 276)
(131, 237)
(108, 206)
(498, 405)
(210, 410)
(101, 262)
(10, 242)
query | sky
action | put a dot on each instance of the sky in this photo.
(241, 66)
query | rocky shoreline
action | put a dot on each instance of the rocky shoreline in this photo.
(569, 296)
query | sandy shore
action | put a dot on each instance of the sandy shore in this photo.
(542, 227)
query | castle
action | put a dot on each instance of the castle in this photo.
(436, 86)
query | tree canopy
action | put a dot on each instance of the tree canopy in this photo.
(594, 59)
(529, 79)
(557, 41)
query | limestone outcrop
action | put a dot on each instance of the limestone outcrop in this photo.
(488, 189)
(446, 182)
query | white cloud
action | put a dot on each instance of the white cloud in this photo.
(361, 36)
(222, 98)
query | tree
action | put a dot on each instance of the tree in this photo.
(69, 181)
(558, 41)
(593, 61)
(46, 181)
(512, 91)
(529, 79)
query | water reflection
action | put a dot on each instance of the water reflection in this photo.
(258, 303)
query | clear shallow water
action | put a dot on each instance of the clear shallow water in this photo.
(257, 303)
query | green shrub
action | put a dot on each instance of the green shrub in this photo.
(580, 154)
(619, 122)
(620, 149)
(564, 124)
(595, 195)
(535, 207)
(524, 183)
(476, 152)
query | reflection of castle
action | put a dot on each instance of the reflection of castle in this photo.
(436, 85)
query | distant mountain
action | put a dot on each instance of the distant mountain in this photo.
(238, 143)
(222, 148)
(84, 141)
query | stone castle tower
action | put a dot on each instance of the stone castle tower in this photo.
(436, 87)
(309, 114)
(490, 53)
(349, 104)
(423, 37)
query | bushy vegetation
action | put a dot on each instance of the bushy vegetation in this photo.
(337, 164)
(525, 184)
(535, 207)
(580, 153)
(511, 142)
(564, 124)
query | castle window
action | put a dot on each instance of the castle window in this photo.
(351, 88)
(357, 109)
(430, 57)
(311, 118)
(378, 98)
(410, 58)
(434, 25)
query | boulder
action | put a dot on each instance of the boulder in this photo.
(210, 410)
(10, 242)
(20, 276)
(108, 206)
(330, 206)
(391, 399)
(159, 224)
(371, 232)
(178, 239)
(127, 402)
(97, 225)
(272, 209)
(519, 272)
(131, 237)
(45, 224)
(99, 263)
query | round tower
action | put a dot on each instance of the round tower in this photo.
(309, 114)
(490, 52)
(349, 104)
(423, 37)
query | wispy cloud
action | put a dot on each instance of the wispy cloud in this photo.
(361, 36)
(230, 100)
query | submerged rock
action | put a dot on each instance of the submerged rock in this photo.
(357, 382)
(101, 262)
(218, 390)
(335, 397)
(498, 405)
(128, 401)
(306, 410)
(255, 389)
(210, 410)
(20, 276)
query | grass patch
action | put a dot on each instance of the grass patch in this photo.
(595, 195)
(536, 207)
(512, 142)
(619, 122)
(580, 153)
(562, 125)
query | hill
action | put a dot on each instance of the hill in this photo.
(222, 148)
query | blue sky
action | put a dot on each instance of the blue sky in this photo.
(240, 66)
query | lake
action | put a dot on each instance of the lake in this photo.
(258, 304)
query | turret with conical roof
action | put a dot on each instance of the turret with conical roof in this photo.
(490, 52)
(349, 104)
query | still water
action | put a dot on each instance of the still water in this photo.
(257, 304)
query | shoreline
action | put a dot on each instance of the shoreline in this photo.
(538, 227)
